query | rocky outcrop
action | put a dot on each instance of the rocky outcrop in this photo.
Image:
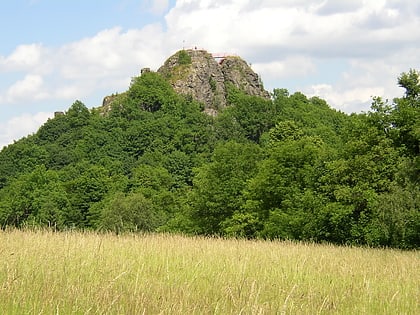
(206, 79)
(236, 71)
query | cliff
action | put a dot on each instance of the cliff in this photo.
(206, 78)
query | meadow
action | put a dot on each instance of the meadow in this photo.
(43, 272)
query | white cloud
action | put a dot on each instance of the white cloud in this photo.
(30, 87)
(105, 62)
(110, 53)
(276, 29)
(289, 67)
(348, 100)
(354, 90)
(21, 126)
(156, 6)
(289, 39)
(330, 7)
(24, 57)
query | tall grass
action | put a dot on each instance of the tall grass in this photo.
(82, 273)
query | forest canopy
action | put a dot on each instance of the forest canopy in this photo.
(289, 167)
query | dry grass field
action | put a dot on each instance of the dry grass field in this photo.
(43, 272)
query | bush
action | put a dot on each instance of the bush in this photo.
(184, 58)
(128, 214)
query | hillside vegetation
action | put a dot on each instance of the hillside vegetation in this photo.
(90, 273)
(289, 167)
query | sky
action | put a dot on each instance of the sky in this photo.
(53, 53)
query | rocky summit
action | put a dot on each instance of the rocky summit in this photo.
(206, 77)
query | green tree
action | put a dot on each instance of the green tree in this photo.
(53, 129)
(284, 130)
(151, 91)
(353, 182)
(129, 213)
(179, 165)
(34, 198)
(282, 193)
(407, 115)
(150, 178)
(410, 81)
(85, 184)
(78, 114)
(218, 185)
(247, 117)
(397, 219)
(20, 158)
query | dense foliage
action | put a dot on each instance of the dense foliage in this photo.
(288, 168)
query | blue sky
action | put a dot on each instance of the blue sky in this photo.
(55, 52)
(58, 22)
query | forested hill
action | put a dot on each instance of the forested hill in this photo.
(286, 167)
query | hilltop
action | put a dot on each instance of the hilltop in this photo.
(199, 147)
(208, 77)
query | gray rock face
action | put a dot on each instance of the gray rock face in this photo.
(236, 71)
(199, 74)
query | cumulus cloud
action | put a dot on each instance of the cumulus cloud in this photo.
(156, 6)
(111, 52)
(21, 126)
(24, 57)
(277, 29)
(330, 7)
(289, 39)
(289, 67)
(354, 89)
(105, 62)
(347, 100)
(30, 87)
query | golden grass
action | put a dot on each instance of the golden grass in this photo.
(85, 273)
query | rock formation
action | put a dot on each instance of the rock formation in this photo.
(206, 78)
(198, 73)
